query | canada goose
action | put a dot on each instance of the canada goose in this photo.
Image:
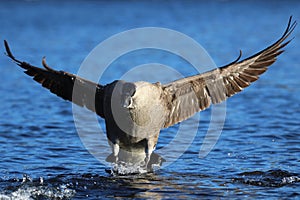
(135, 112)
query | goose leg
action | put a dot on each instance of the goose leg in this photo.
(113, 157)
(151, 144)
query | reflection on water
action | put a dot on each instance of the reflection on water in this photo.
(42, 157)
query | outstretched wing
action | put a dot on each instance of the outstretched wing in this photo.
(88, 94)
(189, 95)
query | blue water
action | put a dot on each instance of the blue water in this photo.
(42, 156)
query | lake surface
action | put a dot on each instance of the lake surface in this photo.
(256, 156)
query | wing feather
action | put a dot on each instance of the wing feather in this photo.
(88, 94)
(189, 95)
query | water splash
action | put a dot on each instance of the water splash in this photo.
(128, 168)
(28, 189)
(123, 169)
(39, 192)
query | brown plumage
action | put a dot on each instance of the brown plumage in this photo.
(217, 85)
(146, 108)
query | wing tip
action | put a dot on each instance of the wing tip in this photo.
(8, 52)
(11, 56)
(290, 28)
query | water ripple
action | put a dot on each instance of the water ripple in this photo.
(271, 178)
